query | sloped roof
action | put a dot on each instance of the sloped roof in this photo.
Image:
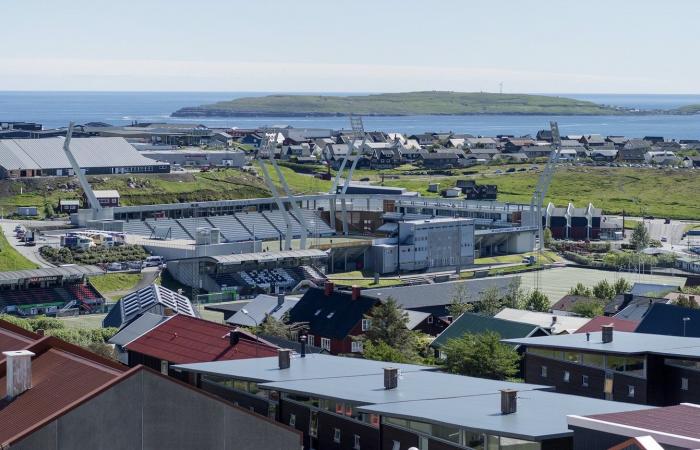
(150, 298)
(259, 308)
(556, 323)
(567, 302)
(668, 320)
(332, 316)
(415, 318)
(138, 327)
(596, 323)
(183, 339)
(13, 337)
(652, 289)
(89, 152)
(475, 323)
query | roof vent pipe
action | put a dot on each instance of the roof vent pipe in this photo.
(18, 372)
(280, 299)
(607, 333)
(303, 340)
(509, 401)
(391, 377)
(284, 357)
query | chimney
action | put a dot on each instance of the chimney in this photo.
(509, 401)
(391, 377)
(284, 357)
(168, 312)
(328, 288)
(356, 291)
(588, 336)
(280, 299)
(233, 338)
(302, 340)
(607, 333)
(40, 332)
(18, 372)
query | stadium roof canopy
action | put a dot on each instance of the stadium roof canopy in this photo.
(72, 271)
(267, 256)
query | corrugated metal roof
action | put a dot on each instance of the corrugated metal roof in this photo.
(268, 256)
(89, 152)
(63, 271)
(13, 337)
(183, 339)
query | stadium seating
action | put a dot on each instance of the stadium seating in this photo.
(316, 225)
(137, 227)
(231, 229)
(85, 295)
(176, 230)
(277, 219)
(256, 221)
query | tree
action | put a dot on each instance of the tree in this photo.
(274, 327)
(489, 302)
(604, 290)
(481, 355)
(581, 290)
(621, 286)
(381, 351)
(591, 308)
(686, 302)
(537, 301)
(547, 237)
(515, 296)
(640, 237)
(460, 301)
(388, 326)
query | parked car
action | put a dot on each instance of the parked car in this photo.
(153, 261)
(114, 266)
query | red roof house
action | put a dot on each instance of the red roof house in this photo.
(619, 324)
(183, 339)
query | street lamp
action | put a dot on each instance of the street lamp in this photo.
(685, 321)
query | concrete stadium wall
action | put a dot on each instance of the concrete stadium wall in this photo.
(148, 411)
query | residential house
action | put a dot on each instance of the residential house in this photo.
(261, 307)
(435, 160)
(551, 323)
(670, 427)
(68, 206)
(597, 322)
(594, 140)
(603, 155)
(664, 157)
(634, 150)
(485, 153)
(538, 151)
(58, 395)
(670, 320)
(481, 143)
(567, 304)
(335, 318)
(654, 139)
(295, 151)
(182, 339)
(691, 161)
(107, 198)
(425, 139)
(635, 367)
(518, 145)
(617, 141)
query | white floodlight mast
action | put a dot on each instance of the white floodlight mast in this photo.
(91, 197)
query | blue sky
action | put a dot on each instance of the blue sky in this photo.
(592, 46)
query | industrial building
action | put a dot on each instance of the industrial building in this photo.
(198, 158)
(426, 244)
(24, 158)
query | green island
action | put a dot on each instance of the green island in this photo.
(399, 104)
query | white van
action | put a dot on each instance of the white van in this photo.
(153, 261)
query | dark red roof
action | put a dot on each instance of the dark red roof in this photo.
(183, 339)
(62, 375)
(13, 337)
(620, 324)
(681, 420)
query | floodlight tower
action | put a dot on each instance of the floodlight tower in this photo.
(358, 132)
(267, 148)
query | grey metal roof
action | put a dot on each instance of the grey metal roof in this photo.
(137, 302)
(64, 271)
(415, 318)
(267, 256)
(623, 343)
(138, 327)
(260, 307)
(316, 366)
(90, 152)
(540, 415)
(420, 385)
(436, 294)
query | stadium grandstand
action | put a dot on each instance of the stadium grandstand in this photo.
(50, 291)
(253, 273)
(239, 227)
(23, 158)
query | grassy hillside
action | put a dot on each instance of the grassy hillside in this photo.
(11, 259)
(409, 103)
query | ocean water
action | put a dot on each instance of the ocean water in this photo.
(55, 109)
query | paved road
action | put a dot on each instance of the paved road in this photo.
(31, 253)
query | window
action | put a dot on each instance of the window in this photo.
(430, 319)
(313, 424)
(318, 311)
(366, 323)
(356, 444)
(396, 445)
(567, 376)
(164, 367)
(684, 384)
(356, 346)
(292, 420)
(326, 343)
(543, 372)
(310, 339)
(330, 315)
(630, 391)
(336, 435)
(584, 380)
(422, 443)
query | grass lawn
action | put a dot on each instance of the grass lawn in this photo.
(112, 282)
(662, 193)
(356, 278)
(11, 259)
(547, 256)
(630, 224)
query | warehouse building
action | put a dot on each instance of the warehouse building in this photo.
(198, 158)
(24, 158)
